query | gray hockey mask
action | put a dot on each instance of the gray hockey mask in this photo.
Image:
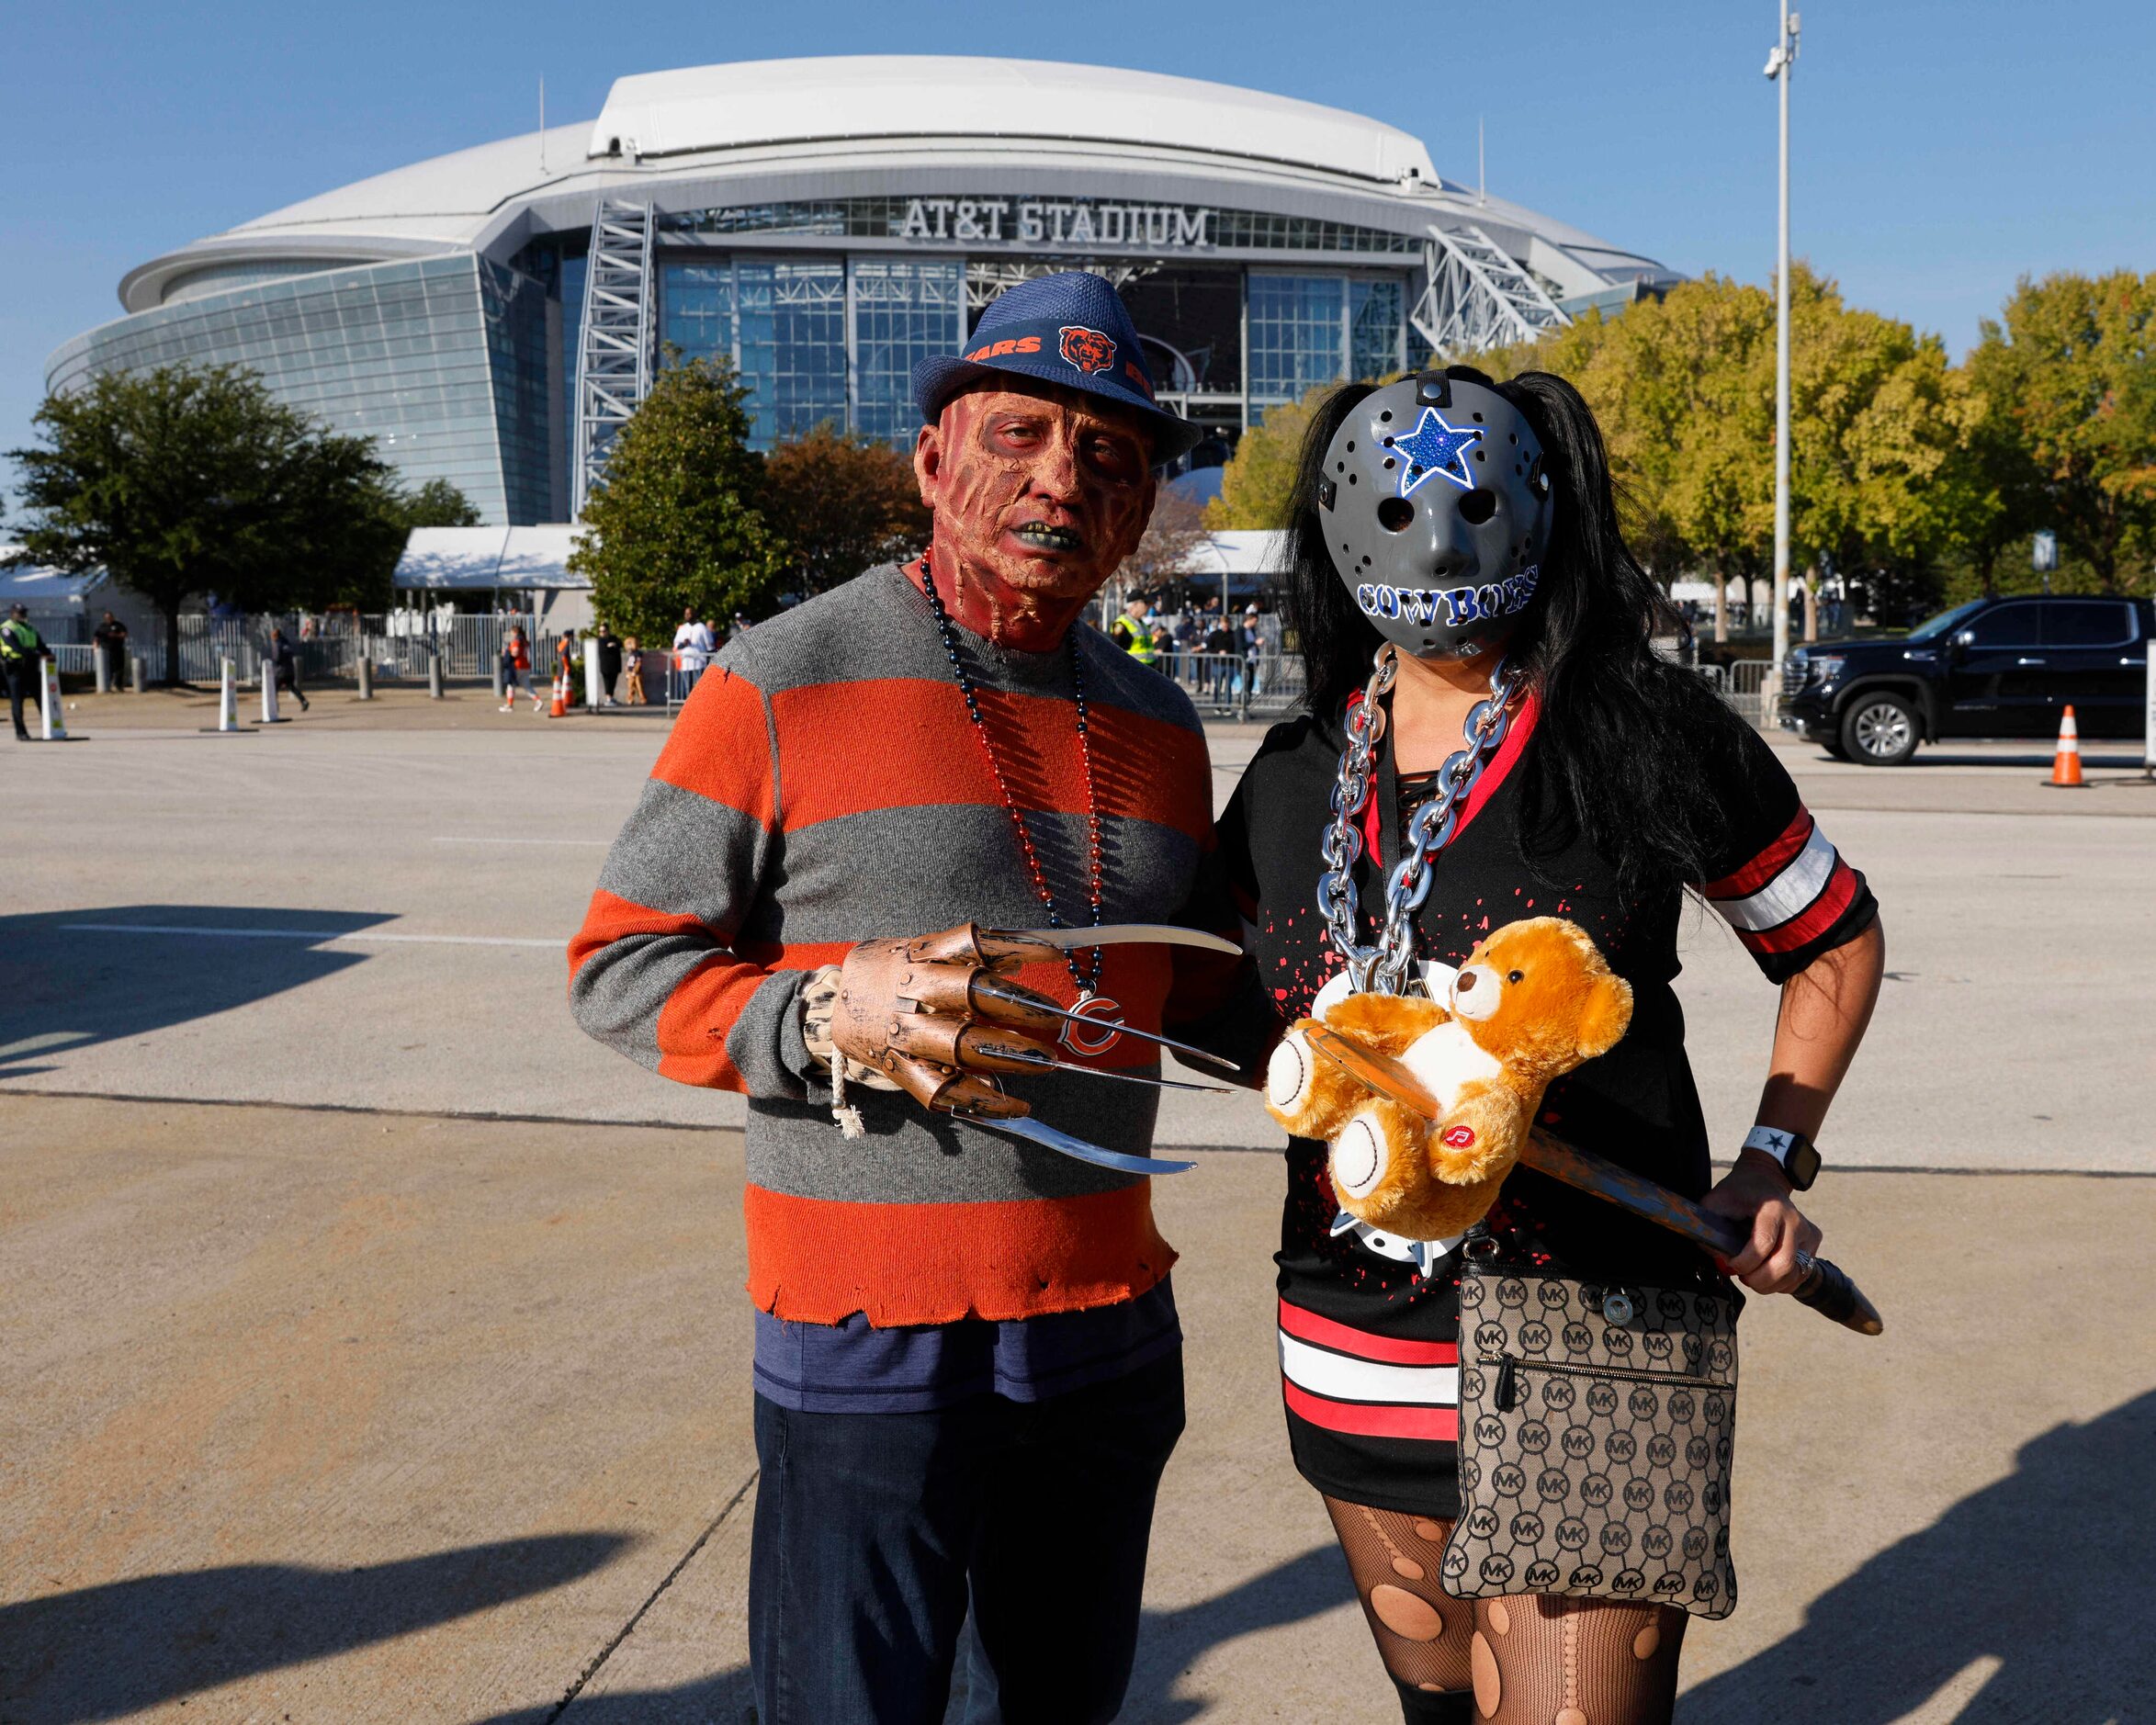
(1437, 511)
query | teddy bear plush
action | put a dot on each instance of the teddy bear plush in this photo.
(1534, 1000)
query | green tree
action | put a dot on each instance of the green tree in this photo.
(674, 521)
(180, 482)
(1260, 475)
(1882, 479)
(842, 504)
(2068, 434)
(438, 503)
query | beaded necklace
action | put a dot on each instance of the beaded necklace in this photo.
(1091, 1002)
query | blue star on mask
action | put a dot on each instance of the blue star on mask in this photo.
(1435, 447)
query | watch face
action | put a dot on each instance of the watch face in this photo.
(1801, 1162)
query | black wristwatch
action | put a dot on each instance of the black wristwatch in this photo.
(1796, 1153)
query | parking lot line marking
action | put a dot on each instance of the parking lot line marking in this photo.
(602, 843)
(311, 934)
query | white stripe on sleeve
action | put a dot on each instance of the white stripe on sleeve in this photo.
(1789, 893)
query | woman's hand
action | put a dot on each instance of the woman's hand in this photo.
(1754, 1193)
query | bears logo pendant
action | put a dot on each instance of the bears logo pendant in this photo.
(1082, 1041)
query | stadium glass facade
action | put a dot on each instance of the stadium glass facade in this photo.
(442, 361)
(464, 368)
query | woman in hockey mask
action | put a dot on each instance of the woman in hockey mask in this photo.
(1468, 613)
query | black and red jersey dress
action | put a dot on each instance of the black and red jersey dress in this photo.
(1369, 1341)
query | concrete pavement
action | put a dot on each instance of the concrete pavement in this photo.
(367, 908)
(329, 1417)
(327, 1398)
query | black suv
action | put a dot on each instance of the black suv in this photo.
(1990, 668)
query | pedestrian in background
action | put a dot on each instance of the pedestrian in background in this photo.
(21, 649)
(281, 664)
(692, 649)
(632, 659)
(608, 646)
(1131, 631)
(516, 672)
(111, 638)
(1220, 645)
(565, 666)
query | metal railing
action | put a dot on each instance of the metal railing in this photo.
(1235, 685)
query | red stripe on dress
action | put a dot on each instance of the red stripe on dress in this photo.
(1812, 922)
(1307, 1326)
(1362, 1419)
(1768, 863)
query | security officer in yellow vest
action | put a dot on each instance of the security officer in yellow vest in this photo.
(1133, 633)
(21, 648)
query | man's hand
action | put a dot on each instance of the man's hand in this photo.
(1754, 1192)
(915, 1010)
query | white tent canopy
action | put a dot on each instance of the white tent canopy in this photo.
(484, 559)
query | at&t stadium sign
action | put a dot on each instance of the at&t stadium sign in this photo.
(1079, 221)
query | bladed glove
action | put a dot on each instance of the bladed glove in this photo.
(935, 1017)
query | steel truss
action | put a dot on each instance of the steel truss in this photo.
(615, 351)
(991, 278)
(1477, 297)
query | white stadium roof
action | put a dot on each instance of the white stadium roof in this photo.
(757, 131)
(922, 96)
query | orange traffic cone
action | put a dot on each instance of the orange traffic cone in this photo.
(2066, 765)
(561, 707)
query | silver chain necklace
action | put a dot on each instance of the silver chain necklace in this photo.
(1384, 966)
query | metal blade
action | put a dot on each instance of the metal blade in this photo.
(1381, 1072)
(1124, 934)
(1137, 1077)
(1095, 1025)
(1023, 1126)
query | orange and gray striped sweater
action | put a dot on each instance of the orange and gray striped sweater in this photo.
(823, 785)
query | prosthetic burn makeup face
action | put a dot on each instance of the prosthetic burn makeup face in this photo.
(1038, 496)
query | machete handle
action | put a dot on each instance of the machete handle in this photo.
(1828, 1290)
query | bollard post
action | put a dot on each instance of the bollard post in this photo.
(53, 724)
(228, 699)
(366, 669)
(101, 662)
(594, 685)
(500, 687)
(138, 673)
(435, 675)
(269, 692)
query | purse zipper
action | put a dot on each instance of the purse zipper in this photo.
(1507, 1387)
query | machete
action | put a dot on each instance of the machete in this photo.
(1025, 1126)
(1825, 1288)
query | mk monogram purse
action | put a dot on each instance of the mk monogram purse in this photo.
(1594, 1428)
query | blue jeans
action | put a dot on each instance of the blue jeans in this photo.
(875, 1532)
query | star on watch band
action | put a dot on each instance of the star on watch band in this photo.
(1792, 1152)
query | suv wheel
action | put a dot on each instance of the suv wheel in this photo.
(1879, 730)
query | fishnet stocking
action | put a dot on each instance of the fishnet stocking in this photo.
(1531, 1659)
(1423, 1633)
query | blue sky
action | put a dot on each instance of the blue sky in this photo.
(1942, 150)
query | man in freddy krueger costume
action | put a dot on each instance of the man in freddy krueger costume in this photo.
(968, 1366)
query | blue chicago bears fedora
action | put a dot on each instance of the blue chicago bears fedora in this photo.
(1069, 329)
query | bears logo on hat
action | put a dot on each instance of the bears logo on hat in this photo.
(1089, 350)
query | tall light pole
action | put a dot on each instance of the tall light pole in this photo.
(1781, 67)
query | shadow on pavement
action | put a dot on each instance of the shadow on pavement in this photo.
(63, 987)
(1170, 1642)
(102, 1653)
(2046, 1573)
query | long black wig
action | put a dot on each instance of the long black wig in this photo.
(1624, 736)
